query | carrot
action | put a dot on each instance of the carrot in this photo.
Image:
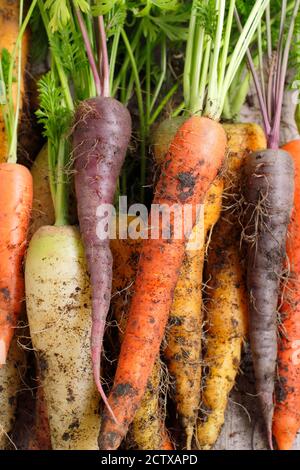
(9, 27)
(226, 290)
(100, 140)
(15, 206)
(269, 194)
(269, 219)
(148, 431)
(101, 135)
(186, 176)
(269, 198)
(58, 309)
(183, 351)
(287, 412)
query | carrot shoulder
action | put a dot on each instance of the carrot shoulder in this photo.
(195, 156)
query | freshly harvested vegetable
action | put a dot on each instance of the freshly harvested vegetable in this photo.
(9, 27)
(58, 308)
(10, 383)
(194, 158)
(15, 206)
(269, 194)
(286, 422)
(267, 214)
(100, 139)
(183, 351)
(148, 430)
(42, 206)
(15, 200)
(226, 290)
(101, 135)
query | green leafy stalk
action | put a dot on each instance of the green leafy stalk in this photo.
(10, 110)
(56, 119)
(211, 65)
(56, 56)
(143, 131)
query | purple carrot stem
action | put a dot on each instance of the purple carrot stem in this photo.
(89, 52)
(274, 138)
(271, 87)
(103, 58)
(280, 45)
(262, 103)
(269, 32)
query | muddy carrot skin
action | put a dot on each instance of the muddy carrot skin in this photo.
(193, 161)
(148, 429)
(184, 345)
(15, 210)
(286, 421)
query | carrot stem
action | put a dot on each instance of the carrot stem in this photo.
(104, 58)
(263, 106)
(89, 51)
(141, 112)
(163, 72)
(61, 198)
(273, 140)
(163, 103)
(59, 66)
(113, 58)
(14, 115)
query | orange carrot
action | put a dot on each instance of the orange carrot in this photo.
(166, 443)
(195, 156)
(15, 206)
(286, 422)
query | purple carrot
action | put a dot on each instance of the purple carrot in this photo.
(269, 195)
(101, 136)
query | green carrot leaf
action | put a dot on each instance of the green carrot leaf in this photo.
(102, 7)
(52, 114)
(60, 13)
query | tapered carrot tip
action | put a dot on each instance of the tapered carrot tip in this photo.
(285, 443)
(284, 432)
(270, 439)
(266, 399)
(3, 352)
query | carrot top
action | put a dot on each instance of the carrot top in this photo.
(270, 90)
(211, 65)
(9, 64)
